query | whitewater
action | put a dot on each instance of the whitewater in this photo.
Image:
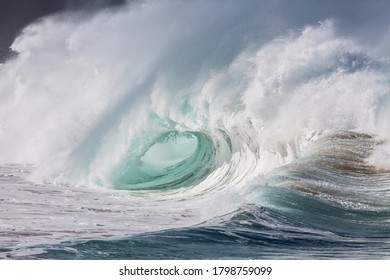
(197, 129)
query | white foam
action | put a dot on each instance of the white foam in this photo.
(82, 89)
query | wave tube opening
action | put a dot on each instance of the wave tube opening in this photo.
(172, 160)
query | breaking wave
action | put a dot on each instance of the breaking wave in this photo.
(175, 101)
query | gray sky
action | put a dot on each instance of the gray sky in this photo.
(15, 14)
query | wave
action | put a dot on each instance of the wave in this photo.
(193, 104)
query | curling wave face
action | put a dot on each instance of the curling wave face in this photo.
(172, 160)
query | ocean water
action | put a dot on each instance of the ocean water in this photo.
(198, 130)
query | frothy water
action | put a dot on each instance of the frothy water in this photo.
(164, 128)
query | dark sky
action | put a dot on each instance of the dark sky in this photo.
(15, 14)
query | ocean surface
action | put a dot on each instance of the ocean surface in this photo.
(201, 129)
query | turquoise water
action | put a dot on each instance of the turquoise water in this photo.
(172, 160)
